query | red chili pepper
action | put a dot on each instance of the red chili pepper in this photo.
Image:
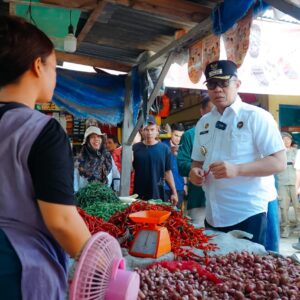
(182, 233)
(206, 173)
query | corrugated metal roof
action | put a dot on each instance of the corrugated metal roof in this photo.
(124, 33)
(119, 31)
(125, 29)
(106, 52)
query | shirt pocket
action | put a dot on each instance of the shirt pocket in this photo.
(240, 143)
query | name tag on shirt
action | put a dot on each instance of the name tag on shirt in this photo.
(204, 132)
(221, 125)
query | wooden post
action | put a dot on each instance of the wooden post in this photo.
(153, 95)
(126, 130)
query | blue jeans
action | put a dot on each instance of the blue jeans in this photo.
(273, 230)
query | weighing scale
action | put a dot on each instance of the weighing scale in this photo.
(151, 240)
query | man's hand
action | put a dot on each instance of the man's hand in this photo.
(196, 176)
(186, 190)
(223, 169)
(174, 149)
(174, 199)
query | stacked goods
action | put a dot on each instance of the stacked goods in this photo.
(243, 276)
(182, 233)
(96, 224)
(158, 282)
(105, 210)
(95, 192)
(249, 276)
(97, 199)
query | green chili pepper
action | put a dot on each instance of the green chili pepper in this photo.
(105, 210)
(95, 192)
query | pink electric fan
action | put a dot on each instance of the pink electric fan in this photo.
(100, 272)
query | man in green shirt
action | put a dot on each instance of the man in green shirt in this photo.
(195, 195)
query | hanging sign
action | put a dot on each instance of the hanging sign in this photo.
(195, 62)
(236, 40)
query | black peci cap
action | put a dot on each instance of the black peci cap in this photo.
(220, 69)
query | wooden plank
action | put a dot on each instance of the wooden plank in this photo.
(195, 34)
(91, 21)
(286, 7)
(12, 9)
(126, 130)
(91, 61)
(153, 95)
(41, 4)
(173, 9)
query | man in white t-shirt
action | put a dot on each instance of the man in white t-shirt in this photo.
(237, 148)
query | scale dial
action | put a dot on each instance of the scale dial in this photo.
(146, 242)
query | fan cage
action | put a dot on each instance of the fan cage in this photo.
(94, 269)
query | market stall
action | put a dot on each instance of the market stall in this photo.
(201, 264)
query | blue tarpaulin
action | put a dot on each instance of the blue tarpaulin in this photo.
(95, 95)
(227, 13)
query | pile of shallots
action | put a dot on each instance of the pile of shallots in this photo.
(243, 276)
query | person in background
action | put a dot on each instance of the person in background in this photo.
(94, 162)
(152, 165)
(117, 156)
(39, 222)
(113, 146)
(236, 151)
(273, 226)
(195, 194)
(294, 145)
(297, 167)
(177, 131)
(111, 143)
(286, 181)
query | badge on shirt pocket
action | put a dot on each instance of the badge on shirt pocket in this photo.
(203, 150)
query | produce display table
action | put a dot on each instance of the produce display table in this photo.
(234, 267)
(226, 242)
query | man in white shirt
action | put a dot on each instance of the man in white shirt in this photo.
(236, 150)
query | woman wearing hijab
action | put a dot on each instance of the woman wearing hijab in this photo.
(94, 163)
(39, 222)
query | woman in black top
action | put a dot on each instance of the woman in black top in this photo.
(39, 221)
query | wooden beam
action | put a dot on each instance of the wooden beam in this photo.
(172, 9)
(286, 7)
(91, 61)
(91, 21)
(195, 34)
(152, 97)
(86, 5)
